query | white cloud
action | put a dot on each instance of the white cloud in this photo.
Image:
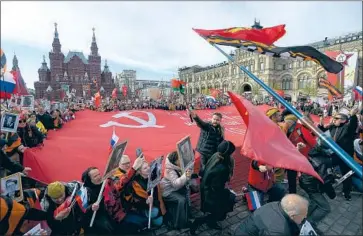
(158, 36)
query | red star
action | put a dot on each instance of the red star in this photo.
(347, 56)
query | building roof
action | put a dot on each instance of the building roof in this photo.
(337, 40)
(71, 54)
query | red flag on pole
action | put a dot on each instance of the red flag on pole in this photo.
(124, 90)
(97, 99)
(264, 141)
(114, 93)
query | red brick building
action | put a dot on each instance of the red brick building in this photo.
(73, 73)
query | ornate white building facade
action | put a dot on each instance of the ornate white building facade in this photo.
(292, 76)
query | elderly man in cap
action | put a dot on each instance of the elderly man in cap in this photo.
(63, 218)
(302, 138)
(342, 129)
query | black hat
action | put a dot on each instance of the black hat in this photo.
(226, 148)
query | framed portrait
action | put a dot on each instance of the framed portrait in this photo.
(9, 122)
(185, 153)
(27, 102)
(12, 187)
(115, 157)
(155, 173)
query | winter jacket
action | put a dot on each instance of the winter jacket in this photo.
(173, 179)
(262, 181)
(47, 120)
(70, 225)
(269, 219)
(115, 198)
(210, 137)
(30, 136)
(344, 134)
(300, 134)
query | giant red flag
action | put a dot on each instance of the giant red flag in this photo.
(265, 142)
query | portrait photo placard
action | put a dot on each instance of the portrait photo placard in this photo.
(155, 173)
(185, 153)
(115, 157)
(27, 102)
(11, 187)
(9, 122)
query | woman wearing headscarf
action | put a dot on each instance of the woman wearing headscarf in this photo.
(92, 180)
(216, 199)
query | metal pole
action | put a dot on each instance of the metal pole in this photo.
(339, 151)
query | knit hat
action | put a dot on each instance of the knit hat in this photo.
(270, 112)
(56, 190)
(125, 159)
(226, 148)
(290, 117)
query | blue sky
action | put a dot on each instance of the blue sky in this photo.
(155, 38)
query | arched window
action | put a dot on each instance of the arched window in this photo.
(287, 82)
(304, 80)
(225, 87)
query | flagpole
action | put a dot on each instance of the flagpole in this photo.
(335, 147)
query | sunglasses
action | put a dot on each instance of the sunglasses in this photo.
(337, 118)
(21, 121)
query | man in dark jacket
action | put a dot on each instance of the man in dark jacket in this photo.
(342, 130)
(211, 135)
(45, 118)
(276, 218)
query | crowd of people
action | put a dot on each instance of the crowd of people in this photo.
(125, 206)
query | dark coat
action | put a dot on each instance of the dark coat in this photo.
(269, 219)
(215, 198)
(70, 225)
(103, 223)
(8, 164)
(47, 120)
(32, 140)
(344, 134)
(210, 137)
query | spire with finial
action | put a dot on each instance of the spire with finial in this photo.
(55, 30)
(106, 69)
(15, 63)
(56, 44)
(44, 66)
(94, 36)
(94, 48)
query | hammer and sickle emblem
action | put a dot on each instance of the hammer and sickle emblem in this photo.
(150, 123)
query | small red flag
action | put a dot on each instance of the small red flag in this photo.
(124, 90)
(265, 142)
(97, 99)
(114, 93)
(267, 35)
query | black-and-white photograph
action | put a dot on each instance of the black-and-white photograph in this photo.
(185, 153)
(115, 157)
(12, 187)
(155, 173)
(9, 122)
(27, 102)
